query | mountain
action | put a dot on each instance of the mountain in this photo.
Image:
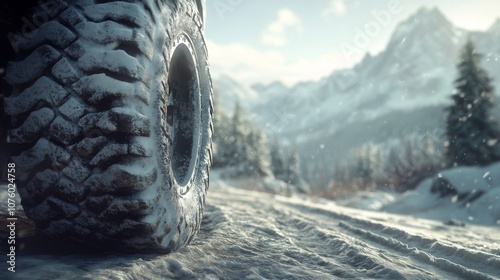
(227, 92)
(416, 69)
(412, 77)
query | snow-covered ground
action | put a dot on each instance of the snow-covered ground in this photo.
(251, 235)
(464, 195)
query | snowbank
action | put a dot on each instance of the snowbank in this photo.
(466, 194)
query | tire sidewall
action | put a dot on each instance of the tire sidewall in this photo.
(188, 201)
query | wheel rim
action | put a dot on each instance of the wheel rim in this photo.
(183, 112)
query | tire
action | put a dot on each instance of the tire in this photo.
(113, 102)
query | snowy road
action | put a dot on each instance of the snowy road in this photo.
(249, 235)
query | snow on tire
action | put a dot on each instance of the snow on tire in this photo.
(115, 117)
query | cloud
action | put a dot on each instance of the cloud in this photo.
(250, 65)
(335, 8)
(275, 33)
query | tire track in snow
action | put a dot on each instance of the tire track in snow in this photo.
(333, 246)
(249, 235)
(418, 253)
(459, 255)
(453, 259)
(360, 254)
(323, 246)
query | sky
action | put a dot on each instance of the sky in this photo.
(292, 41)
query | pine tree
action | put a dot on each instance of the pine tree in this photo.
(277, 160)
(222, 136)
(341, 182)
(240, 129)
(292, 168)
(472, 133)
(259, 158)
(342, 172)
(364, 168)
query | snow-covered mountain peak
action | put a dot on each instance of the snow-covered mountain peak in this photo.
(430, 17)
(426, 40)
(428, 23)
(431, 13)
